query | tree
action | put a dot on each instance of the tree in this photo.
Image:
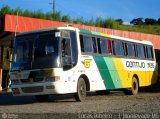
(5, 10)
(120, 21)
(137, 21)
(78, 20)
(17, 10)
(158, 21)
(150, 21)
(27, 13)
(99, 22)
(66, 18)
(110, 23)
(57, 16)
(90, 22)
(49, 15)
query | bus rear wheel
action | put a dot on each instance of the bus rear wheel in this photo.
(81, 90)
(134, 88)
(41, 98)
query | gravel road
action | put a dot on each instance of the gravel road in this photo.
(116, 102)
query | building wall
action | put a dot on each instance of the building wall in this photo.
(21, 24)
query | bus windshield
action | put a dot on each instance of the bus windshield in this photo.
(36, 51)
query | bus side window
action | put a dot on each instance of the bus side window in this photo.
(109, 47)
(135, 50)
(145, 51)
(125, 51)
(130, 50)
(99, 45)
(140, 51)
(113, 49)
(94, 41)
(81, 42)
(149, 51)
(104, 46)
(87, 42)
(117, 48)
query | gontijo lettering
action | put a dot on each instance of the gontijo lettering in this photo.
(133, 64)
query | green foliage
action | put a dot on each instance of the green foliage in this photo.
(78, 20)
(147, 25)
(111, 23)
(5, 10)
(90, 22)
(66, 19)
(158, 21)
(150, 21)
(137, 21)
(57, 16)
(99, 22)
(120, 21)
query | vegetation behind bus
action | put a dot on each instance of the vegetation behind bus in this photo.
(148, 25)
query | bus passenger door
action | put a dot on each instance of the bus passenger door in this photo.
(69, 55)
(66, 54)
(69, 50)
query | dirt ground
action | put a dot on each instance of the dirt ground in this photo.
(115, 105)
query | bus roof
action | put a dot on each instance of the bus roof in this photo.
(46, 29)
(87, 32)
(114, 37)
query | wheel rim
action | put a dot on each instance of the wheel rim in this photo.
(82, 90)
(134, 86)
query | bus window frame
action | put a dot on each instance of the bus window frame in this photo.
(114, 48)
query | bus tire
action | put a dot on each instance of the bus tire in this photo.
(81, 90)
(103, 92)
(41, 98)
(134, 88)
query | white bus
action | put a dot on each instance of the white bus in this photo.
(71, 60)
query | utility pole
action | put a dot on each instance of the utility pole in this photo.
(53, 6)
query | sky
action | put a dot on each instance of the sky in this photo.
(126, 10)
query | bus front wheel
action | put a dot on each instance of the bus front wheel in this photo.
(81, 90)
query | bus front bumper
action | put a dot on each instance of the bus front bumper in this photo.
(38, 89)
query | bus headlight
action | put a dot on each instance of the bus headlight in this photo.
(15, 91)
(52, 79)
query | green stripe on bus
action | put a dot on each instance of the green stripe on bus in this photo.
(113, 72)
(85, 31)
(104, 71)
(89, 32)
(95, 33)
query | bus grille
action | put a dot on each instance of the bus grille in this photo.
(35, 89)
(31, 80)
